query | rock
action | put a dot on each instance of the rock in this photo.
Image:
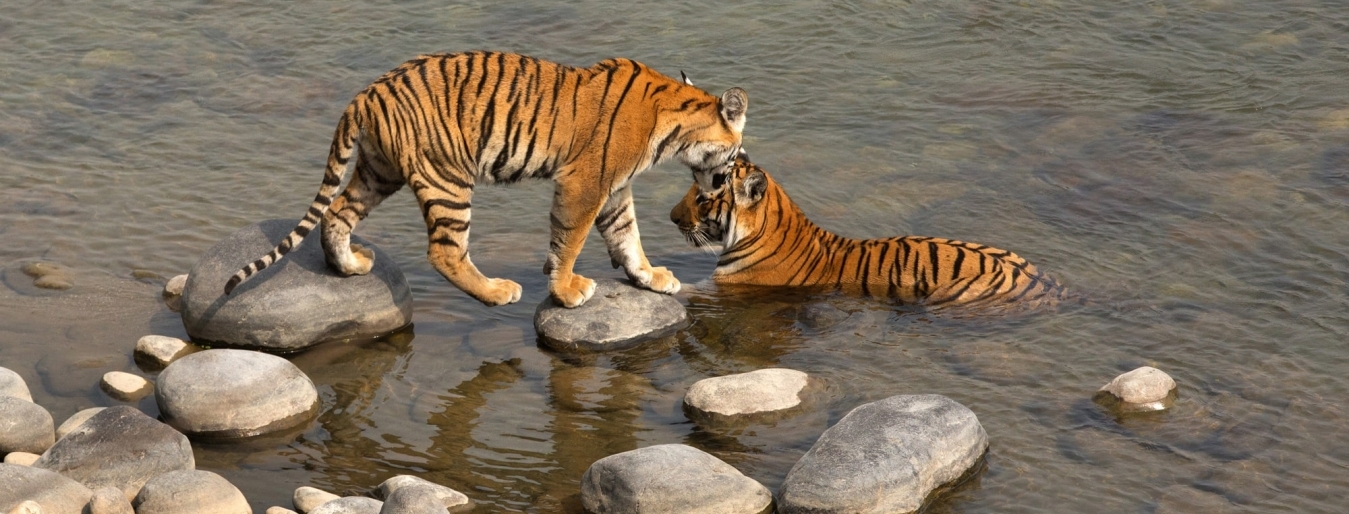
(11, 384)
(820, 316)
(27, 507)
(350, 505)
(227, 394)
(413, 499)
(190, 490)
(49, 276)
(669, 478)
(618, 315)
(75, 420)
(118, 447)
(885, 457)
(449, 498)
(109, 500)
(24, 426)
(125, 386)
(759, 391)
(1143, 389)
(21, 458)
(154, 353)
(175, 286)
(295, 303)
(53, 492)
(306, 498)
(279, 510)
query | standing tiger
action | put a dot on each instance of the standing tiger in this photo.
(443, 123)
(768, 241)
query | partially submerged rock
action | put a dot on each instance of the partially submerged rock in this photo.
(885, 457)
(227, 394)
(617, 316)
(670, 478)
(296, 302)
(1143, 389)
(757, 392)
(125, 387)
(154, 353)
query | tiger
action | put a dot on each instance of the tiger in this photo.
(444, 123)
(766, 240)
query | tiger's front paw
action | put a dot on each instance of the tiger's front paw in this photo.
(574, 292)
(660, 280)
(499, 291)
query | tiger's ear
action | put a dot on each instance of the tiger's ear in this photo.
(685, 77)
(752, 188)
(733, 104)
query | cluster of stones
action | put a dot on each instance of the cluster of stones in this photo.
(402, 494)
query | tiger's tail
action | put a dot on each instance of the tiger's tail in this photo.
(344, 144)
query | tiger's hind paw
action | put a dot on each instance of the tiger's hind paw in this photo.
(360, 261)
(575, 292)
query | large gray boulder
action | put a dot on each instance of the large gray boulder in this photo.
(226, 394)
(885, 457)
(295, 303)
(670, 478)
(11, 384)
(118, 447)
(191, 490)
(617, 316)
(52, 491)
(25, 426)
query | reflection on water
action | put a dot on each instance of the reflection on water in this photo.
(1184, 166)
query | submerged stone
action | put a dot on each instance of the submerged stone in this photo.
(1143, 389)
(125, 386)
(617, 316)
(670, 478)
(296, 302)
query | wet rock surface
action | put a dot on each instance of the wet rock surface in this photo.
(226, 394)
(885, 457)
(295, 303)
(24, 426)
(50, 490)
(617, 316)
(190, 491)
(670, 478)
(119, 447)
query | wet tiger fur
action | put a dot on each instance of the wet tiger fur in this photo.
(444, 123)
(768, 241)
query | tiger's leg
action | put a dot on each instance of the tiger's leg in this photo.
(575, 205)
(447, 210)
(617, 222)
(370, 184)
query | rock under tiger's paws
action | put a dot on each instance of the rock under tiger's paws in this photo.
(575, 292)
(362, 260)
(499, 291)
(661, 281)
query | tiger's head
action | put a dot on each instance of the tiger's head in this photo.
(730, 211)
(706, 130)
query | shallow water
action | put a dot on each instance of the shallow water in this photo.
(1184, 166)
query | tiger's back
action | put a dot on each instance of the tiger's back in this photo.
(769, 241)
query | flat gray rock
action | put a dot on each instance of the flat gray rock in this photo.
(350, 505)
(227, 394)
(109, 500)
(617, 316)
(885, 457)
(52, 491)
(25, 426)
(118, 447)
(11, 384)
(449, 498)
(759, 391)
(124, 386)
(295, 303)
(190, 490)
(1143, 389)
(413, 499)
(670, 478)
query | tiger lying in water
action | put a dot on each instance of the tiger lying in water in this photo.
(768, 241)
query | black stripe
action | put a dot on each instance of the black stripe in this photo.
(660, 148)
(448, 204)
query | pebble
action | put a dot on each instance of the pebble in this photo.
(154, 353)
(11, 384)
(763, 390)
(49, 276)
(75, 420)
(125, 386)
(227, 394)
(190, 490)
(175, 285)
(21, 458)
(350, 505)
(119, 447)
(450, 498)
(109, 500)
(306, 498)
(24, 426)
(669, 478)
(1146, 388)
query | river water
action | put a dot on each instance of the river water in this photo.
(1182, 165)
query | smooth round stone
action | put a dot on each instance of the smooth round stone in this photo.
(21, 458)
(670, 478)
(49, 276)
(229, 394)
(306, 498)
(197, 491)
(51, 491)
(125, 387)
(75, 420)
(759, 391)
(350, 505)
(617, 316)
(1145, 388)
(885, 457)
(448, 498)
(154, 353)
(175, 285)
(296, 302)
(414, 499)
(109, 500)
(119, 447)
(11, 384)
(25, 426)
